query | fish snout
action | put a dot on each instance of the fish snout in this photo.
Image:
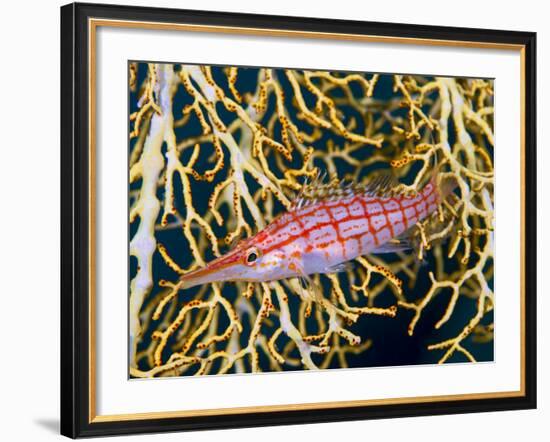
(224, 268)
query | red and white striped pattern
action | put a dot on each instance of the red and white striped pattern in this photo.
(327, 233)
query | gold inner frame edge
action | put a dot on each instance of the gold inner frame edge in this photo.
(93, 24)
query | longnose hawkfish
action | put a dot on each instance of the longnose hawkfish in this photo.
(324, 229)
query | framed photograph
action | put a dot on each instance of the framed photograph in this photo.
(275, 220)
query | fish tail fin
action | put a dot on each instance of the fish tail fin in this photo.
(445, 185)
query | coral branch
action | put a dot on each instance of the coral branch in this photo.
(151, 163)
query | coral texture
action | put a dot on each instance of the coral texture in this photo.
(217, 152)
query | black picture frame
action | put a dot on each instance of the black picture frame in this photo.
(76, 418)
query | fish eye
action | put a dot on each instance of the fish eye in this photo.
(252, 256)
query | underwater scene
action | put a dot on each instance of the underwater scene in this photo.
(289, 219)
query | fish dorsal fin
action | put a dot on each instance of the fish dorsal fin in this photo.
(383, 184)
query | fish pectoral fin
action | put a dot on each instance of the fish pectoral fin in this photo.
(299, 285)
(338, 268)
(316, 289)
(307, 283)
(308, 288)
(393, 246)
